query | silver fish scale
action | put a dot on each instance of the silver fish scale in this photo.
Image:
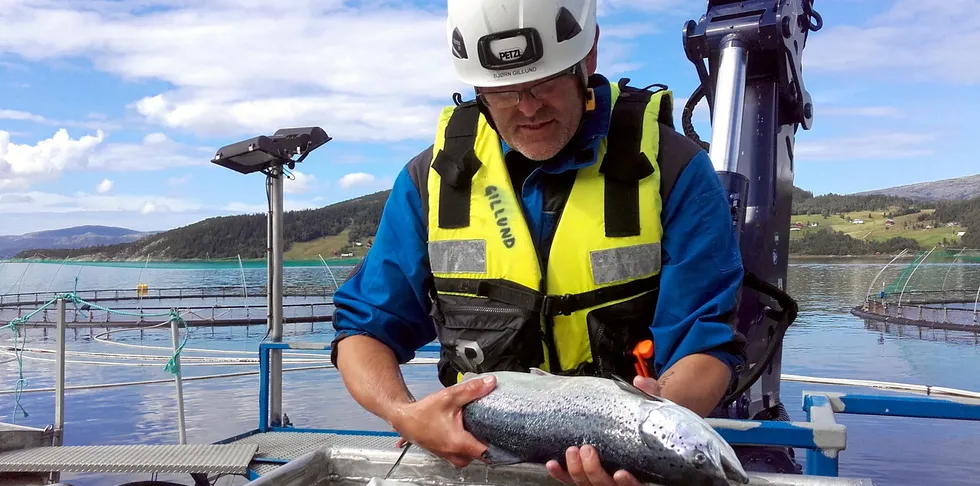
(536, 419)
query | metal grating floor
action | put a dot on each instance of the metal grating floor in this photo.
(192, 458)
(290, 445)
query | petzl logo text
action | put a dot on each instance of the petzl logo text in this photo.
(509, 54)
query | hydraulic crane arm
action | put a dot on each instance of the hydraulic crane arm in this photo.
(754, 87)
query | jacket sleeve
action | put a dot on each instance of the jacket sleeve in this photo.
(701, 274)
(386, 295)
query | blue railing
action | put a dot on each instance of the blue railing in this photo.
(821, 435)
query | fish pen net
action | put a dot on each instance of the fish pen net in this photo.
(115, 302)
(937, 288)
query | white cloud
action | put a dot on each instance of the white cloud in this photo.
(913, 40)
(870, 145)
(104, 186)
(20, 115)
(22, 165)
(627, 31)
(379, 74)
(46, 202)
(299, 183)
(93, 124)
(605, 7)
(356, 178)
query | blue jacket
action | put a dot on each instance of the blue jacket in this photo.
(386, 295)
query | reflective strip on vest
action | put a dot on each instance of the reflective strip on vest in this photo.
(462, 256)
(626, 263)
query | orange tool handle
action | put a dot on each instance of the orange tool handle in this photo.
(643, 351)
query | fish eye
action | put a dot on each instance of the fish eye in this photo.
(700, 458)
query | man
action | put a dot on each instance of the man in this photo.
(553, 182)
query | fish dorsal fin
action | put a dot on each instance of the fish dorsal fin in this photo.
(539, 372)
(625, 385)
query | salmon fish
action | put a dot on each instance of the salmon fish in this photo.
(534, 417)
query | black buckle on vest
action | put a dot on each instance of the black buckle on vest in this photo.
(558, 305)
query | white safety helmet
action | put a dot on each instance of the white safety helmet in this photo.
(504, 42)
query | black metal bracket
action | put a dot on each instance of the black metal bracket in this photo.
(777, 27)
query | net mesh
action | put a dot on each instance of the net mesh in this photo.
(191, 264)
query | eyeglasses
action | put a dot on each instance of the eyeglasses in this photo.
(541, 89)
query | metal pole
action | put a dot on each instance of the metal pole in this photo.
(182, 434)
(910, 278)
(275, 299)
(59, 383)
(729, 100)
(867, 296)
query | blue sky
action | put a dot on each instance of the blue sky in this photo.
(110, 110)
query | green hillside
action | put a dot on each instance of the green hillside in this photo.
(330, 231)
(828, 226)
(865, 225)
(858, 224)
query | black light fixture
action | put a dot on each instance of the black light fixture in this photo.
(270, 155)
(260, 153)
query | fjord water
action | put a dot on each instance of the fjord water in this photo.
(825, 341)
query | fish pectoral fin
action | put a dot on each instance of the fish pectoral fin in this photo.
(625, 385)
(496, 456)
(469, 375)
(539, 372)
(734, 470)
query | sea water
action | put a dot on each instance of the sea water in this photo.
(825, 341)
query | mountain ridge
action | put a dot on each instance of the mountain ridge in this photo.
(952, 189)
(69, 239)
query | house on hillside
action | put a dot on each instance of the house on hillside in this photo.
(889, 222)
(858, 221)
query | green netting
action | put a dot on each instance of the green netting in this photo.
(172, 366)
(188, 264)
(934, 271)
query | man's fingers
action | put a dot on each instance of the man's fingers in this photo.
(573, 462)
(467, 391)
(459, 461)
(470, 446)
(648, 385)
(593, 468)
(624, 478)
(556, 471)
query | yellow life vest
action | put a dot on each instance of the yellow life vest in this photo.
(495, 307)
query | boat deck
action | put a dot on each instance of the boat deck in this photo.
(191, 458)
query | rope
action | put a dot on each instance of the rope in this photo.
(100, 386)
(171, 366)
(158, 357)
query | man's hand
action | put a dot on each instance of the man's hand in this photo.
(435, 423)
(583, 464)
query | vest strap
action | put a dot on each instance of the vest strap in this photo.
(624, 163)
(456, 164)
(548, 305)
